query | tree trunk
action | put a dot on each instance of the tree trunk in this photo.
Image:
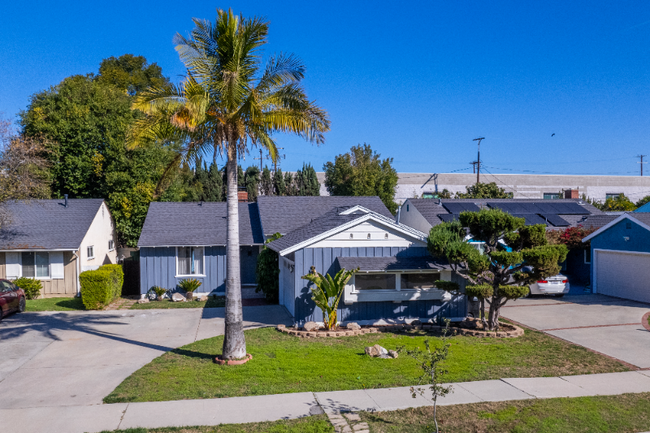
(234, 343)
(493, 318)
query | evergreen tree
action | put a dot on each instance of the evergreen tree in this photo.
(252, 182)
(279, 186)
(289, 184)
(213, 186)
(266, 182)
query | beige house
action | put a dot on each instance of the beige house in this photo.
(55, 240)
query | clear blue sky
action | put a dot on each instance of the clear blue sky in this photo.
(416, 80)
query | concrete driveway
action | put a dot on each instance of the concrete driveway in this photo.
(77, 358)
(607, 325)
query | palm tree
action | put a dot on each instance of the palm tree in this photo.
(226, 104)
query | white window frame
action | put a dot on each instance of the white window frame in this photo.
(88, 249)
(352, 295)
(177, 275)
(49, 265)
(111, 245)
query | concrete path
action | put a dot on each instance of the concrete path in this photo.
(95, 418)
(59, 359)
(607, 325)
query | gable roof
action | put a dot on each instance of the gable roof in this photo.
(553, 213)
(47, 224)
(642, 219)
(197, 224)
(285, 214)
(334, 221)
(644, 208)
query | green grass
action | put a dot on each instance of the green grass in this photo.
(282, 364)
(313, 424)
(611, 414)
(212, 302)
(54, 304)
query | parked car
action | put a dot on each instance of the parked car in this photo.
(12, 298)
(557, 285)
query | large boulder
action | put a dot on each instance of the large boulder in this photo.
(311, 326)
(177, 297)
(353, 326)
(377, 351)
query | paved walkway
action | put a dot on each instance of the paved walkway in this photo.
(95, 418)
(607, 325)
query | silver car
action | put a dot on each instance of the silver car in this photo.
(557, 285)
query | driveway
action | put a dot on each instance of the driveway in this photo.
(77, 358)
(607, 325)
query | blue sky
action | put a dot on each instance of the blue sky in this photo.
(416, 80)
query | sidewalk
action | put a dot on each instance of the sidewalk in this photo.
(72, 419)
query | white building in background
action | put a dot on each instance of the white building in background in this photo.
(535, 186)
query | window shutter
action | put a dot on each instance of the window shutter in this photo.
(56, 265)
(14, 268)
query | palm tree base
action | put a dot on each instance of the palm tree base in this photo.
(219, 360)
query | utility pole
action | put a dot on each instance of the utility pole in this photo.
(261, 158)
(473, 164)
(275, 163)
(478, 160)
(641, 156)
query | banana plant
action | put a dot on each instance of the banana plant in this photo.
(326, 292)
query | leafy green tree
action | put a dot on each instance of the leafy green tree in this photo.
(252, 182)
(266, 182)
(619, 204)
(643, 201)
(306, 181)
(267, 272)
(362, 173)
(130, 73)
(229, 101)
(213, 185)
(289, 185)
(279, 186)
(484, 190)
(497, 275)
(326, 293)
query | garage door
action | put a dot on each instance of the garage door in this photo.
(624, 275)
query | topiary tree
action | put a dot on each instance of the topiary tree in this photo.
(515, 255)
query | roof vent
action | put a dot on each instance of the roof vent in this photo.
(65, 198)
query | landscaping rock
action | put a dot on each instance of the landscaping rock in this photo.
(416, 322)
(470, 323)
(376, 351)
(311, 326)
(177, 297)
(143, 301)
(353, 326)
(393, 354)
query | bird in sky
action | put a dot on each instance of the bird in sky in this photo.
(553, 134)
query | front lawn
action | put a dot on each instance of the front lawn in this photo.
(283, 363)
(54, 304)
(312, 424)
(611, 414)
(212, 302)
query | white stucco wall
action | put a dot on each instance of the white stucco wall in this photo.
(100, 232)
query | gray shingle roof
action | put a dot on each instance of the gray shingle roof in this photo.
(198, 224)
(47, 224)
(432, 208)
(392, 263)
(329, 221)
(595, 221)
(286, 214)
(644, 217)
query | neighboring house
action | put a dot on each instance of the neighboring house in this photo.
(396, 277)
(557, 214)
(188, 239)
(620, 254)
(54, 240)
(644, 208)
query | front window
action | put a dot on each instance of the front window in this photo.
(190, 261)
(36, 265)
(375, 282)
(419, 281)
(551, 195)
(612, 195)
(111, 245)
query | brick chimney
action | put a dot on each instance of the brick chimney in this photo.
(242, 196)
(571, 193)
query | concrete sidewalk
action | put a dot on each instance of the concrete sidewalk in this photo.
(95, 418)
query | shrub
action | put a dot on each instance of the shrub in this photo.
(189, 285)
(159, 291)
(31, 286)
(267, 272)
(101, 286)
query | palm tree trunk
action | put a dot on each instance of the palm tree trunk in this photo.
(234, 344)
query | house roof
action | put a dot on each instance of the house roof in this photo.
(595, 221)
(287, 213)
(197, 224)
(47, 224)
(387, 264)
(642, 219)
(644, 208)
(333, 221)
(553, 213)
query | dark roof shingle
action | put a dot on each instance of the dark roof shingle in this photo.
(47, 224)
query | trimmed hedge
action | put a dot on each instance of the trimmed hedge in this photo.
(101, 286)
(31, 286)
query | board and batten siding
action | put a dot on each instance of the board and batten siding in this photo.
(323, 259)
(158, 268)
(54, 287)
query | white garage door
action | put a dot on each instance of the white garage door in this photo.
(624, 275)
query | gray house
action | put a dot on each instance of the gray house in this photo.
(396, 280)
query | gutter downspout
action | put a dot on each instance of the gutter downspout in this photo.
(78, 272)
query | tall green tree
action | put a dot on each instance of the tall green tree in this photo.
(307, 181)
(498, 275)
(279, 186)
(230, 101)
(266, 182)
(361, 172)
(484, 190)
(130, 73)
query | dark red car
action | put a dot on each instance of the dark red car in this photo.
(12, 298)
